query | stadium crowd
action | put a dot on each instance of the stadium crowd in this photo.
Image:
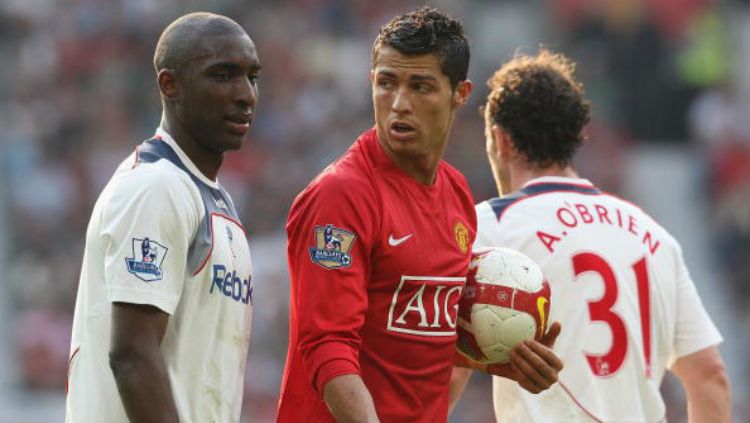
(77, 93)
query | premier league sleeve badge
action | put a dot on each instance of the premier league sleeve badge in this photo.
(332, 246)
(147, 259)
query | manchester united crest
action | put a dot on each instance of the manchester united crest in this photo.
(462, 236)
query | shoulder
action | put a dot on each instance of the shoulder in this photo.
(485, 213)
(457, 182)
(347, 179)
(343, 196)
(160, 176)
(453, 175)
(495, 208)
(159, 185)
(645, 220)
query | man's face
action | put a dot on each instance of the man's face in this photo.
(414, 104)
(219, 91)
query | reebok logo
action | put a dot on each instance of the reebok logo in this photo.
(398, 241)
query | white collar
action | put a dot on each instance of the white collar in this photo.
(164, 135)
(558, 180)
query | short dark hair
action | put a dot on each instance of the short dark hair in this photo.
(539, 103)
(176, 45)
(428, 31)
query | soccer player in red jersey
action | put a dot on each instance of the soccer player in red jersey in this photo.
(379, 246)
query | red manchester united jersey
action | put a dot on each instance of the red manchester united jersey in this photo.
(377, 263)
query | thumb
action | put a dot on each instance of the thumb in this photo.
(548, 340)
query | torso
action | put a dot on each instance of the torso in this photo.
(201, 276)
(417, 240)
(614, 275)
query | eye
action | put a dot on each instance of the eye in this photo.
(253, 79)
(422, 88)
(386, 83)
(222, 76)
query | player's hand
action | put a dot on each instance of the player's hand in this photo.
(532, 364)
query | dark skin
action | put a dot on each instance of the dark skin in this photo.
(533, 365)
(137, 363)
(208, 108)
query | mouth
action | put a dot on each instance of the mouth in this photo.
(402, 130)
(239, 123)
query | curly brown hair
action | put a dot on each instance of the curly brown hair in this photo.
(538, 102)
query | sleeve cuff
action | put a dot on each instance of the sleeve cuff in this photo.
(120, 295)
(330, 360)
(686, 350)
(331, 369)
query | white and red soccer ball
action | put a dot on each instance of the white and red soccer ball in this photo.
(506, 301)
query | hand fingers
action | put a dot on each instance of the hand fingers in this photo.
(524, 381)
(548, 339)
(546, 354)
(533, 366)
(502, 370)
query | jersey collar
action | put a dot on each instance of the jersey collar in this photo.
(164, 136)
(558, 183)
(563, 180)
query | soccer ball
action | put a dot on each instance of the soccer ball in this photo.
(506, 301)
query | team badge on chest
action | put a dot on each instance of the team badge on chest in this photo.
(148, 256)
(462, 236)
(332, 246)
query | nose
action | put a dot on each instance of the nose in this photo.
(246, 93)
(401, 101)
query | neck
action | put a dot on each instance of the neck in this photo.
(207, 161)
(521, 174)
(422, 168)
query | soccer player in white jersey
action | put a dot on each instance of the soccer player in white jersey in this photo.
(620, 287)
(162, 319)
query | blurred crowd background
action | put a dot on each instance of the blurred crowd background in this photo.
(671, 129)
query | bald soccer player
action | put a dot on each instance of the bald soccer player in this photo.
(162, 319)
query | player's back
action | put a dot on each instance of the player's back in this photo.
(620, 289)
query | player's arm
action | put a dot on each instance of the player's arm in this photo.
(331, 297)
(696, 359)
(349, 400)
(459, 379)
(148, 203)
(706, 384)
(137, 364)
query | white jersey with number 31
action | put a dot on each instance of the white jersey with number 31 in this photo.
(621, 290)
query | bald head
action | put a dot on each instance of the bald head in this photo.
(179, 42)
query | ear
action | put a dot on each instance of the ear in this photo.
(168, 84)
(462, 93)
(372, 75)
(503, 143)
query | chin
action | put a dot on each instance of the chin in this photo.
(233, 143)
(405, 150)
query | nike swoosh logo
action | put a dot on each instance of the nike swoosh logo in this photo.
(540, 303)
(397, 241)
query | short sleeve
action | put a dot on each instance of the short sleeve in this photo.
(146, 229)
(694, 329)
(330, 231)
